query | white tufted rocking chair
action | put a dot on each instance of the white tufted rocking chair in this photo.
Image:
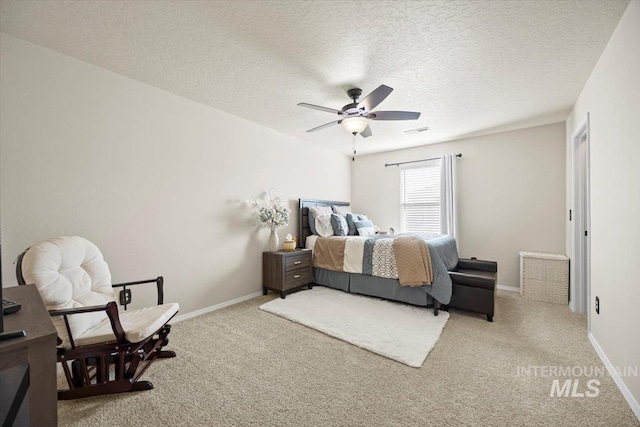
(109, 349)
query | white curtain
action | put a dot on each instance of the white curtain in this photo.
(448, 209)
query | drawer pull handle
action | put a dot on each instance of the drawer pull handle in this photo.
(297, 262)
(296, 276)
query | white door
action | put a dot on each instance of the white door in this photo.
(584, 214)
(580, 246)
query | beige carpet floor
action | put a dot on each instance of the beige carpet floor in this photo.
(243, 366)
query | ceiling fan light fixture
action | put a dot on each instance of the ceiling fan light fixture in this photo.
(355, 125)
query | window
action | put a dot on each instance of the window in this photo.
(420, 198)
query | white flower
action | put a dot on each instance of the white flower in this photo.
(273, 213)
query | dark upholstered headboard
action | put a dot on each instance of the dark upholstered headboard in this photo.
(303, 217)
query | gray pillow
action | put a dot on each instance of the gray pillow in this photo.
(339, 224)
(365, 227)
(351, 219)
(342, 210)
(312, 222)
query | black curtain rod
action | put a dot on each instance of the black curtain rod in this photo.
(386, 165)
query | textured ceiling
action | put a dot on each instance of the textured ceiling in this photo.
(470, 67)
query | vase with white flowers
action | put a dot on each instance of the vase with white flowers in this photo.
(273, 213)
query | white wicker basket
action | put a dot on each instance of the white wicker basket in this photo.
(544, 277)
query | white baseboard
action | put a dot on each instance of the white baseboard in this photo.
(635, 407)
(508, 288)
(209, 309)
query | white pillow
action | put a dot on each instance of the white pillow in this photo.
(323, 225)
(315, 212)
(321, 210)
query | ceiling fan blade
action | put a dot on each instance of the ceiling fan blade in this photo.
(319, 108)
(374, 98)
(394, 115)
(366, 133)
(326, 125)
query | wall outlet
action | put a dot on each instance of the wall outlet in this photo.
(597, 305)
(125, 297)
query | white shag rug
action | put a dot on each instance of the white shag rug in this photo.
(401, 332)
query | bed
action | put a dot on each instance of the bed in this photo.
(443, 253)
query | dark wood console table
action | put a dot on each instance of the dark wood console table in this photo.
(35, 354)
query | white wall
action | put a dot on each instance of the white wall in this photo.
(155, 180)
(511, 193)
(612, 97)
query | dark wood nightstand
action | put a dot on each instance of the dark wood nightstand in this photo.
(286, 272)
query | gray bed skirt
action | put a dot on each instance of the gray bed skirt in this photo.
(332, 279)
(372, 286)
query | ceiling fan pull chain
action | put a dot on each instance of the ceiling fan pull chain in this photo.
(353, 159)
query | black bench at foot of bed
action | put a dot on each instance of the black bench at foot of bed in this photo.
(474, 286)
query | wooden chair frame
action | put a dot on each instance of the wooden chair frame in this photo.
(92, 365)
(110, 367)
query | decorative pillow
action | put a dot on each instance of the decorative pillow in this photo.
(365, 227)
(351, 219)
(314, 212)
(342, 210)
(339, 224)
(323, 225)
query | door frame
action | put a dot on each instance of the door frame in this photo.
(580, 282)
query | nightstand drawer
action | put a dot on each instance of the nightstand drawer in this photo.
(297, 277)
(298, 261)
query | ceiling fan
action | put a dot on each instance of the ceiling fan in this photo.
(355, 116)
